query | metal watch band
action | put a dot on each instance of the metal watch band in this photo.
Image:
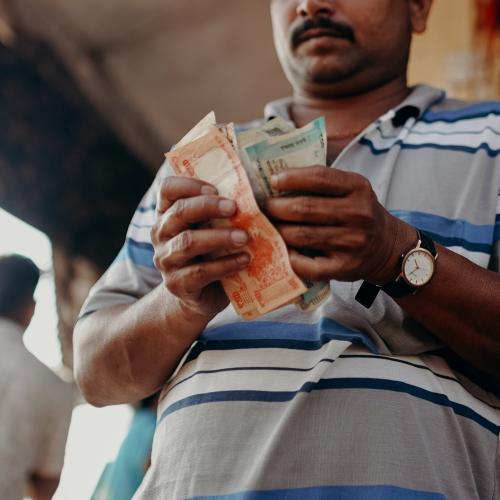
(395, 289)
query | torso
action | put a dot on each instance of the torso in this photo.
(341, 401)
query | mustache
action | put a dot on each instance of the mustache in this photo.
(337, 29)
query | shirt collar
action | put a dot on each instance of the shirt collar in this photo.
(417, 103)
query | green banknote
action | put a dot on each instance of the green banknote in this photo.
(264, 154)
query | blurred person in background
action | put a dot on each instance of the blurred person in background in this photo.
(390, 389)
(121, 478)
(36, 405)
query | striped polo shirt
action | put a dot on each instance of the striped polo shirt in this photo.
(342, 402)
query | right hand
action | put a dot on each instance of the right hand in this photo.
(184, 245)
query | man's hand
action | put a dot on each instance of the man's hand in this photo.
(184, 244)
(338, 217)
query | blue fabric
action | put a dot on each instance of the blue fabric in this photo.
(121, 479)
(328, 492)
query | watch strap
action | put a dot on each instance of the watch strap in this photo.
(398, 288)
(367, 293)
(427, 243)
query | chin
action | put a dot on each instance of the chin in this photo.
(331, 73)
(328, 74)
(327, 68)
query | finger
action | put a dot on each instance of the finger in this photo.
(321, 180)
(316, 268)
(308, 209)
(191, 279)
(187, 211)
(189, 244)
(174, 188)
(325, 238)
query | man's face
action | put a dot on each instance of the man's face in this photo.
(342, 47)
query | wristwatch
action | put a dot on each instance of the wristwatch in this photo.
(417, 269)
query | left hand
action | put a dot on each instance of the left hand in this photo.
(337, 215)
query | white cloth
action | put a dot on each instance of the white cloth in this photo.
(35, 413)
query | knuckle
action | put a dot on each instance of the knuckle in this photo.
(198, 274)
(362, 183)
(304, 206)
(358, 240)
(157, 261)
(154, 234)
(303, 236)
(172, 283)
(167, 184)
(178, 209)
(365, 216)
(321, 175)
(160, 231)
(161, 260)
(180, 244)
(166, 188)
(185, 240)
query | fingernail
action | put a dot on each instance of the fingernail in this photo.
(239, 237)
(208, 190)
(274, 180)
(227, 207)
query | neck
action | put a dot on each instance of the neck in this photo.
(346, 117)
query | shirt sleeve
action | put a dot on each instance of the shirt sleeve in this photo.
(132, 274)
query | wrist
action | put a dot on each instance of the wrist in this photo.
(403, 238)
(191, 313)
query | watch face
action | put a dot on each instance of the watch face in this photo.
(418, 267)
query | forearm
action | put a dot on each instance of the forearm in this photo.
(125, 353)
(461, 306)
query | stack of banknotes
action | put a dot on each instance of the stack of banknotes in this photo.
(240, 166)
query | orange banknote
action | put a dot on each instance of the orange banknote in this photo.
(269, 281)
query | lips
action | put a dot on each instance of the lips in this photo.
(317, 33)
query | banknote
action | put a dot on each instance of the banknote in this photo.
(299, 148)
(295, 148)
(272, 128)
(269, 281)
(200, 129)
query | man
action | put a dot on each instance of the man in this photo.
(36, 405)
(393, 399)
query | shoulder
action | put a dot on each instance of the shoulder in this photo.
(456, 111)
(465, 127)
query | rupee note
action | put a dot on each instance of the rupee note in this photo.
(297, 148)
(269, 281)
(272, 128)
(302, 147)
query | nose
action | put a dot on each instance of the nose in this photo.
(312, 8)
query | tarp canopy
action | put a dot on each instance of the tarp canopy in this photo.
(154, 67)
